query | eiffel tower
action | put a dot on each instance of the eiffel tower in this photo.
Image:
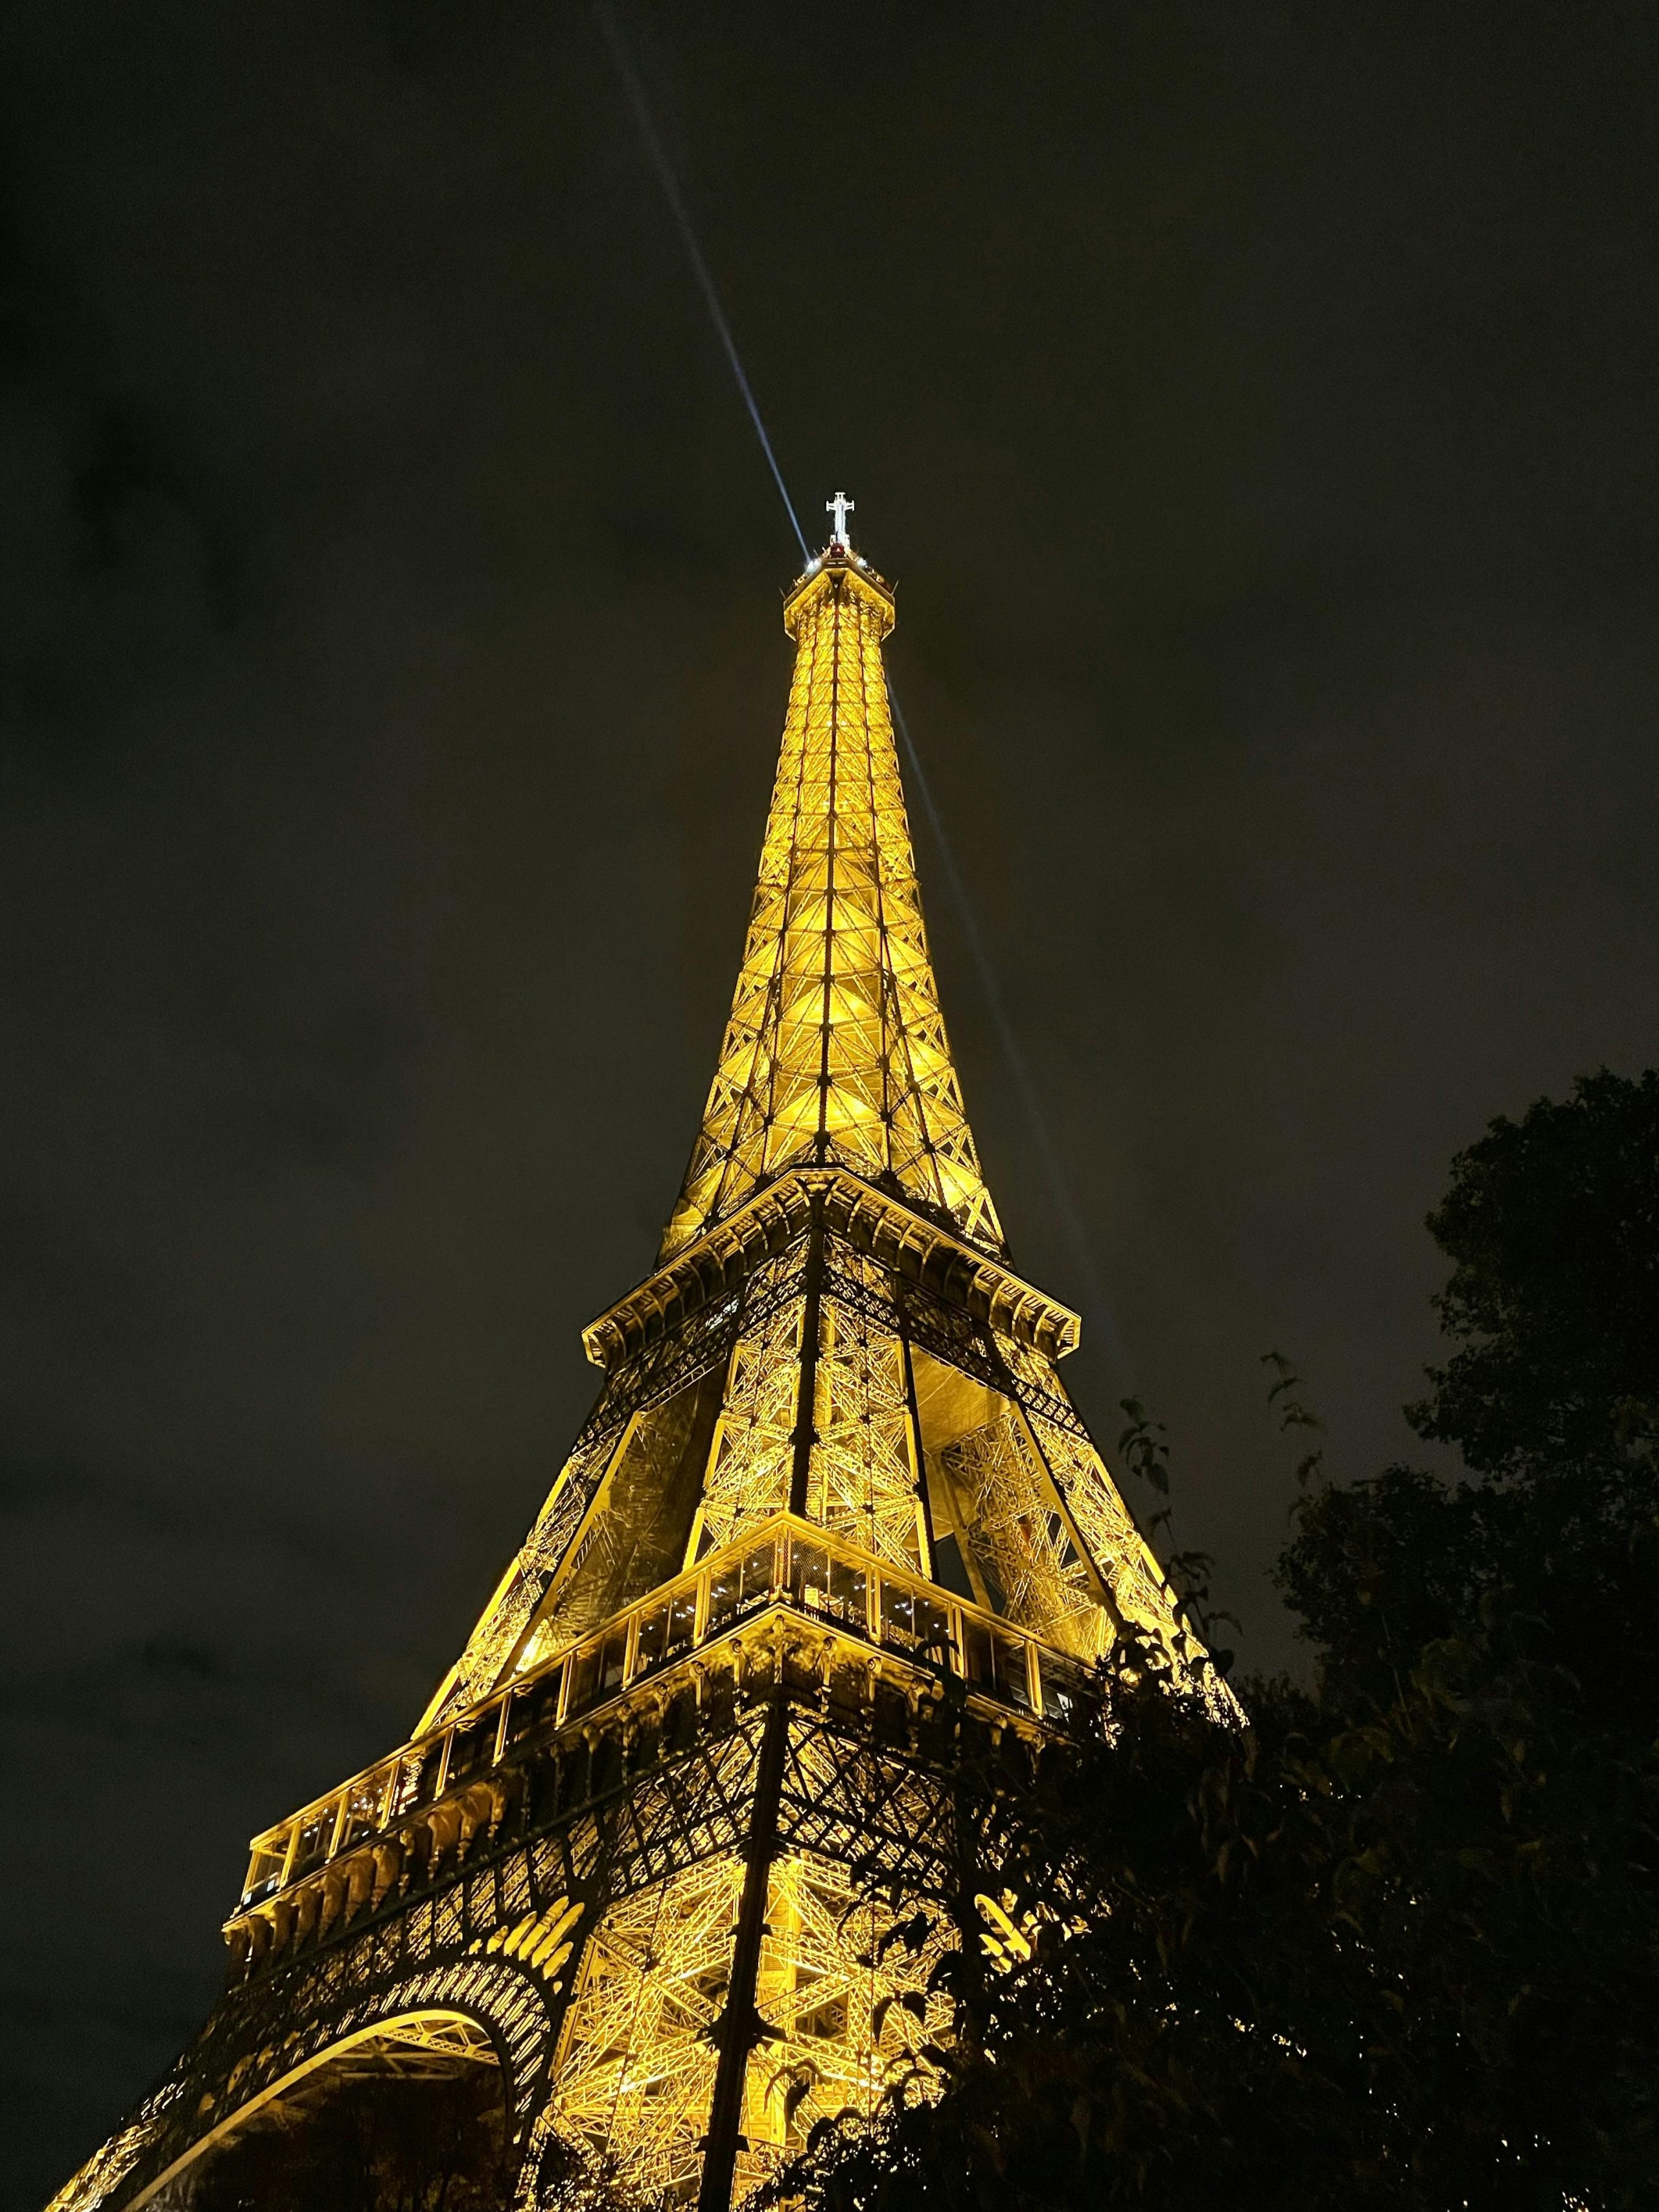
(832, 1517)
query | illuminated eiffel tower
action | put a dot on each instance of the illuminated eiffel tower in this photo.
(832, 1520)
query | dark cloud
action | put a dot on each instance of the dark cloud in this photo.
(1253, 403)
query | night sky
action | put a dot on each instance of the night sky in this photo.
(1254, 404)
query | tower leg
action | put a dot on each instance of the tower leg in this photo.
(741, 2026)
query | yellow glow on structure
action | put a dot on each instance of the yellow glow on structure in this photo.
(636, 2065)
(657, 1831)
(835, 1047)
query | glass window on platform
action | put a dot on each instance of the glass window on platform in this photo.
(365, 1811)
(740, 1585)
(584, 1681)
(474, 1746)
(911, 1621)
(535, 1707)
(827, 1583)
(809, 1571)
(596, 1672)
(978, 1660)
(316, 1838)
(847, 1593)
(1063, 1687)
(996, 1664)
(665, 1629)
(1014, 1678)
(417, 1778)
(760, 1572)
(613, 1657)
(264, 1874)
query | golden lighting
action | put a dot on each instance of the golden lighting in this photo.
(676, 1833)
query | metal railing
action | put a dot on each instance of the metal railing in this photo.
(787, 1562)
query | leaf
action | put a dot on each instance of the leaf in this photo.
(798, 2092)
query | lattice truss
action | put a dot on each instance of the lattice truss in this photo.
(510, 1610)
(862, 1480)
(636, 2062)
(1139, 1586)
(845, 1996)
(836, 1048)
(1104, 1522)
(567, 1511)
(851, 1802)
(1044, 1581)
(1118, 1553)
(748, 1468)
(844, 2004)
(862, 1485)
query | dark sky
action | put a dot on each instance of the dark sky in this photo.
(1255, 405)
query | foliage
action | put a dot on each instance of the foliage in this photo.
(1552, 1225)
(1397, 1942)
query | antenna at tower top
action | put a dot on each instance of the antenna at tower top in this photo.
(841, 507)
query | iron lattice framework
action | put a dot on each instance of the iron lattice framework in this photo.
(832, 1523)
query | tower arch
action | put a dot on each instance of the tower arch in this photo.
(470, 2014)
(417, 2098)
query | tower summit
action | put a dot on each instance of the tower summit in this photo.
(835, 1051)
(832, 1522)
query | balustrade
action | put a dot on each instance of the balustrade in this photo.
(788, 1564)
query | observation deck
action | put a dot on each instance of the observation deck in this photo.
(788, 1607)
